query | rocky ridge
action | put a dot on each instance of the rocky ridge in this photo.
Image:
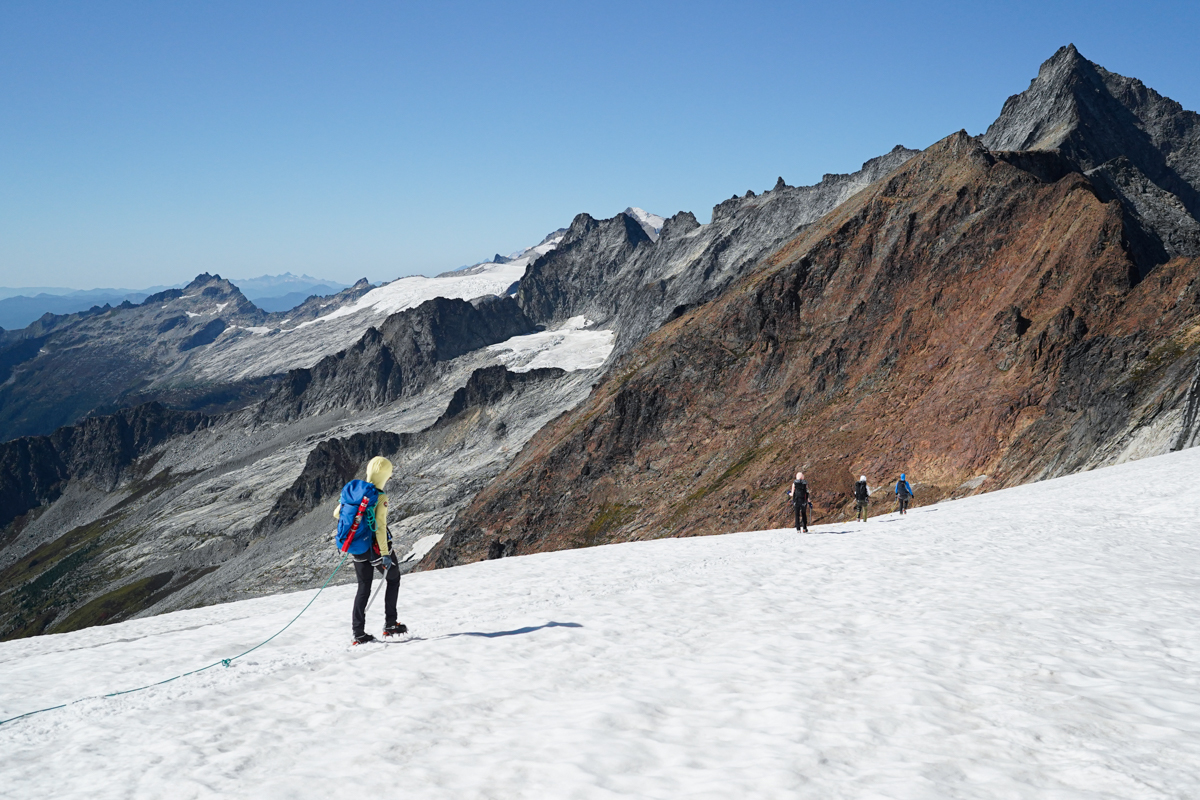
(614, 273)
(396, 360)
(1138, 147)
(976, 319)
(61, 369)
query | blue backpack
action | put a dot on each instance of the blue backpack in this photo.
(356, 521)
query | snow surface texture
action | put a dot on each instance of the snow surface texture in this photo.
(1034, 642)
(570, 347)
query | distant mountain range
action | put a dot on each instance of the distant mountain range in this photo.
(285, 292)
(985, 312)
(21, 306)
(33, 291)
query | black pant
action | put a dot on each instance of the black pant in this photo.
(904, 501)
(366, 574)
(801, 515)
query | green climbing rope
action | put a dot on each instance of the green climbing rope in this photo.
(223, 662)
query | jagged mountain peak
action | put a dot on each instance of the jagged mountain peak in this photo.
(1138, 146)
(204, 279)
(1068, 54)
(679, 223)
(1045, 114)
(1092, 113)
(624, 225)
(651, 223)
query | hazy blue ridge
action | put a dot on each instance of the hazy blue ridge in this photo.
(18, 312)
(21, 306)
(290, 300)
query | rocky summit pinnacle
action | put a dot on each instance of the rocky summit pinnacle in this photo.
(1136, 145)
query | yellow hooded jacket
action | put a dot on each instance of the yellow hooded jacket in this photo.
(379, 469)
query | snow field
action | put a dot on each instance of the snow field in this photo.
(405, 293)
(1036, 642)
(570, 347)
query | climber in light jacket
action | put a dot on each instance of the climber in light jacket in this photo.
(862, 498)
(378, 557)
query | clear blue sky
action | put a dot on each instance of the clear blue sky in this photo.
(143, 143)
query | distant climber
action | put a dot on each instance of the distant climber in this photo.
(862, 497)
(800, 502)
(904, 493)
(362, 532)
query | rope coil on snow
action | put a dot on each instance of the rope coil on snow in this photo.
(225, 662)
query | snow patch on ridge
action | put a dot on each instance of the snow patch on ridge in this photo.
(421, 547)
(245, 357)
(405, 293)
(570, 347)
(651, 223)
(479, 281)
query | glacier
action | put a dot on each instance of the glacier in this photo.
(1038, 641)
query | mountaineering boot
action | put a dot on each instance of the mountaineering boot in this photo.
(363, 638)
(395, 629)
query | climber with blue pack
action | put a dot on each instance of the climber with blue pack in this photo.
(362, 532)
(904, 493)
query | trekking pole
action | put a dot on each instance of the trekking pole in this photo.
(375, 593)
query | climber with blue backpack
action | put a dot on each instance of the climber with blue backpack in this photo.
(362, 533)
(904, 493)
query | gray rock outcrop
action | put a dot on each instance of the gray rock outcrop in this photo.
(613, 273)
(398, 359)
(1140, 147)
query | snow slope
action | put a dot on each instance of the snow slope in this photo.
(1035, 642)
(260, 352)
(651, 223)
(478, 281)
(569, 347)
(404, 293)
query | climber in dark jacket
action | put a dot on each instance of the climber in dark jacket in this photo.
(904, 493)
(800, 502)
(862, 497)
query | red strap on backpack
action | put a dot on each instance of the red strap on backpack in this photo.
(362, 509)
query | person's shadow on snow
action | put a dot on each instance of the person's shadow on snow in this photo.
(530, 629)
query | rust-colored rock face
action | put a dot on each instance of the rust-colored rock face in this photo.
(973, 314)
